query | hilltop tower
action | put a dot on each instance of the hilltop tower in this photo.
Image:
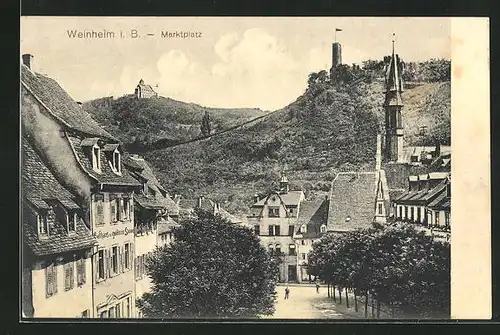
(393, 106)
(336, 54)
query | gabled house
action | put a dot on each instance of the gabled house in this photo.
(359, 199)
(87, 161)
(57, 245)
(143, 91)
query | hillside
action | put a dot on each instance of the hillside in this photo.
(322, 132)
(148, 120)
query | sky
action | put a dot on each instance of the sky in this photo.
(260, 62)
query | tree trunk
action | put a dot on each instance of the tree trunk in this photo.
(346, 297)
(340, 294)
(378, 309)
(355, 302)
(392, 309)
(333, 291)
(366, 305)
(373, 308)
(328, 289)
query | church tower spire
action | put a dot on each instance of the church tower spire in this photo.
(393, 106)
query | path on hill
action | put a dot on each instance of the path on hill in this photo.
(162, 143)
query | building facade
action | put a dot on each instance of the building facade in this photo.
(86, 160)
(57, 245)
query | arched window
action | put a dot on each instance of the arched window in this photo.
(323, 228)
(270, 247)
(278, 248)
(303, 229)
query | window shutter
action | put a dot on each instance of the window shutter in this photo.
(108, 263)
(113, 210)
(54, 279)
(48, 276)
(84, 275)
(72, 277)
(95, 261)
(277, 230)
(120, 259)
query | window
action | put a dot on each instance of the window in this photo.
(114, 209)
(274, 212)
(126, 208)
(111, 313)
(437, 218)
(406, 212)
(80, 272)
(99, 209)
(118, 311)
(379, 208)
(303, 229)
(96, 157)
(50, 280)
(256, 229)
(41, 220)
(278, 248)
(412, 213)
(100, 265)
(447, 219)
(127, 256)
(127, 307)
(303, 256)
(290, 210)
(271, 230)
(302, 242)
(270, 248)
(322, 229)
(71, 218)
(114, 259)
(291, 250)
(116, 161)
(277, 230)
(290, 230)
(103, 315)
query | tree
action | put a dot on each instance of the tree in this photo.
(212, 269)
(205, 125)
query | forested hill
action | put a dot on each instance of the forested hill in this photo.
(145, 121)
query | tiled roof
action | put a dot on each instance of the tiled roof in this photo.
(39, 183)
(58, 240)
(144, 170)
(60, 104)
(146, 88)
(209, 205)
(165, 226)
(439, 201)
(148, 201)
(292, 198)
(417, 151)
(313, 214)
(107, 175)
(352, 196)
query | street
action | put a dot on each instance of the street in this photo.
(305, 303)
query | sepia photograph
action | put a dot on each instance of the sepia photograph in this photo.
(236, 168)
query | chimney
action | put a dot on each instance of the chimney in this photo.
(378, 156)
(28, 60)
(256, 198)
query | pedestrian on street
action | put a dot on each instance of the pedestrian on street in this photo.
(287, 292)
(317, 287)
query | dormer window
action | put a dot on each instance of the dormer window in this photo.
(117, 162)
(71, 218)
(303, 229)
(96, 158)
(42, 223)
(322, 229)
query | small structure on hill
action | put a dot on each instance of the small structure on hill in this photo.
(143, 91)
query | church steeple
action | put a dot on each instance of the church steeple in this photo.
(393, 106)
